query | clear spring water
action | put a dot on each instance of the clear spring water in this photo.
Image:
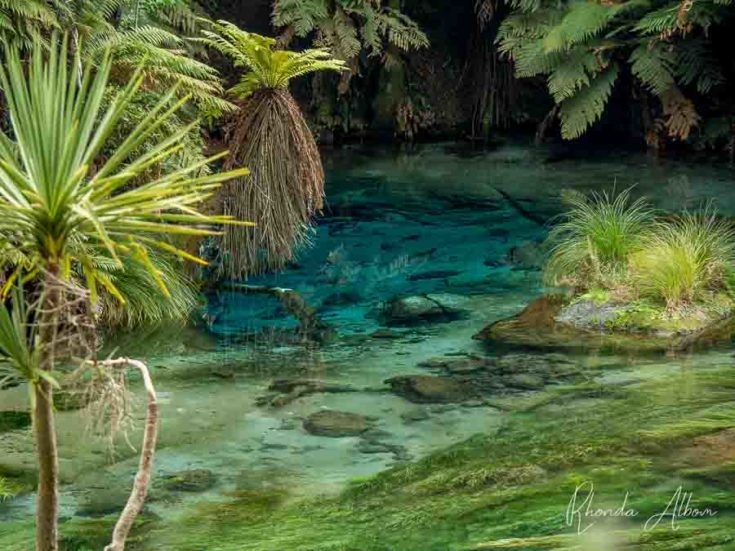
(438, 219)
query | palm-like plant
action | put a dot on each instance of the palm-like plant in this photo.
(269, 133)
(62, 207)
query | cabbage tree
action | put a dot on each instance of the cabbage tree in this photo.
(69, 214)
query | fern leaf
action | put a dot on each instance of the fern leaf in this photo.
(653, 64)
(585, 108)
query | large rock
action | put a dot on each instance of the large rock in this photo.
(336, 423)
(553, 322)
(425, 308)
(426, 389)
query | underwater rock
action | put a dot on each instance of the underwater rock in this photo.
(341, 298)
(425, 308)
(103, 501)
(526, 381)
(336, 423)
(455, 365)
(414, 415)
(426, 389)
(285, 391)
(434, 274)
(552, 322)
(13, 420)
(386, 334)
(527, 256)
(193, 480)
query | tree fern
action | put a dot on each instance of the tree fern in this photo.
(585, 108)
(653, 63)
(348, 27)
(266, 67)
(579, 46)
(573, 73)
(583, 21)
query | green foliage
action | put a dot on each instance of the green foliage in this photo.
(20, 20)
(152, 33)
(6, 489)
(582, 108)
(580, 47)
(267, 67)
(591, 246)
(682, 258)
(18, 354)
(56, 212)
(347, 27)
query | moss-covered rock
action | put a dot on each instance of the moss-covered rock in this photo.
(558, 322)
(426, 389)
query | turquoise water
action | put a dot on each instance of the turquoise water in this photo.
(439, 220)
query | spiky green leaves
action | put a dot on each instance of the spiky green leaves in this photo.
(267, 67)
(63, 205)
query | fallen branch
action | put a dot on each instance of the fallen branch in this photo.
(309, 323)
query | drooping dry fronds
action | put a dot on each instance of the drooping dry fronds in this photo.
(270, 136)
(281, 194)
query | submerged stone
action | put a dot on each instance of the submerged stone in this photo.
(336, 423)
(425, 308)
(285, 391)
(193, 480)
(434, 274)
(427, 389)
(455, 364)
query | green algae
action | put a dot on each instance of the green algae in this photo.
(508, 491)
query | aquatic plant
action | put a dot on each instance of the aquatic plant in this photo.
(268, 134)
(681, 258)
(6, 490)
(63, 208)
(591, 246)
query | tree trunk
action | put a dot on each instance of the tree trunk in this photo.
(143, 477)
(47, 504)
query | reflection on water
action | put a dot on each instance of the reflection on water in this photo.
(462, 228)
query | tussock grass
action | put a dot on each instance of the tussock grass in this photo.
(682, 258)
(592, 244)
(616, 247)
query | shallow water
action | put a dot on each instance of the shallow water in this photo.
(439, 219)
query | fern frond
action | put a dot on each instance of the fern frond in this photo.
(653, 64)
(266, 66)
(574, 73)
(696, 64)
(585, 108)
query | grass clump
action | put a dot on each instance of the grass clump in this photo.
(592, 245)
(615, 248)
(684, 258)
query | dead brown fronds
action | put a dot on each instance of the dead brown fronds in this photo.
(284, 190)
